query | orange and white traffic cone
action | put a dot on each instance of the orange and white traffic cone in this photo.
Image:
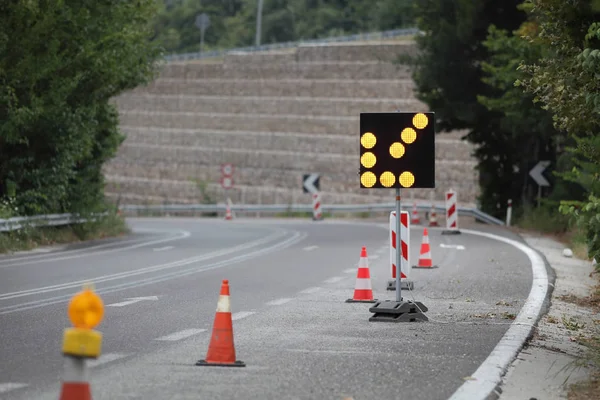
(433, 217)
(228, 214)
(363, 292)
(425, 260)
(75, 384)
(221, 349)
(415, 219)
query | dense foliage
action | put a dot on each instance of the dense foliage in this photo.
(61, 61)
(523, 77)
(233, 22)
(567, 82)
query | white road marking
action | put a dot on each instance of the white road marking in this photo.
(295, 238)
(350, 271)
(452, 246)
(105, 359)
(489, 374)
(132, 300)
(85, 252)
(336, 351)
(310, 248)
(164, 248)
(373, 257)
(10, 386)
(154, 268)
(311, 290)
(173, 337)
(241, 314)
(279, 302)
(334, 279)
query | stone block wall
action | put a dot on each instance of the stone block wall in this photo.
(275, 116)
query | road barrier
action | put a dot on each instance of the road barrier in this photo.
(405, 281)
(286, 45)
(16, 223)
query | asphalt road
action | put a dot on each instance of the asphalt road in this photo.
(289, 281)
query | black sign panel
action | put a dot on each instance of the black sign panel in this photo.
(397, 150)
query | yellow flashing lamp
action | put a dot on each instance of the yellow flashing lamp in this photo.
(85, 311)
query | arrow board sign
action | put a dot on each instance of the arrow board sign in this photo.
(537, 173)
(310, 183)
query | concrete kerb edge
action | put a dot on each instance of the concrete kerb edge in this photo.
(488, 377)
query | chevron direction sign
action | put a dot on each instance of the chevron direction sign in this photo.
(537, 173)
(310, 183)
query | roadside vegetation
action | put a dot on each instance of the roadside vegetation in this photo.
(524, 84)
(60, 64)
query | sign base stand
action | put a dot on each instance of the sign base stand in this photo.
(405, 285)
(398, 311)
(451, 232)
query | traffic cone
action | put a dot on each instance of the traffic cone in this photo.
(363, 292)
(433, 217)
(75, 385)
(425, 257)
(415, 215)
(221, 350)
(228, 215)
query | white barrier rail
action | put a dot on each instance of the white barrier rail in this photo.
(16, 223)
(286, 45)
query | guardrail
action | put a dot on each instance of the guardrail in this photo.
(279, 208)
(286, 45)
(16, 223)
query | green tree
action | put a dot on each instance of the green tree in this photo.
(567, 84)
(530, 134)
(61, 61)
(448, 72)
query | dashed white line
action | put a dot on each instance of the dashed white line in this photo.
(374, 257)
(173, 337)
(311, 290)
(106, 358)
(334, 279)
(241, 314)
(279, 302)
(350, 270)
(9, 386)
(310, 248)
(164, 248)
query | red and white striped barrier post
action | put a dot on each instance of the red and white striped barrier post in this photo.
(509, 212)
(451, 214)
(415, 215)
(317, 213)
(405, 281)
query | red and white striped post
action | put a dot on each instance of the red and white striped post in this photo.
(509, 212)
(405, 281)
(317, 213)
(451, 213)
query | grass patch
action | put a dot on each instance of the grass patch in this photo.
(29, 238)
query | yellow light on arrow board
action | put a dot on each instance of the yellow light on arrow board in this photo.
(368, 160)
(420, 121)
(387, 179)
(408, 135)
(86, 309)
(368, 179)
(397, 150)
(407, 179)
(368, 140)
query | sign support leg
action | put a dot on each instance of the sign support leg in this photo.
(399, 310)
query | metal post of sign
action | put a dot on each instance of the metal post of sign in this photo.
(398, 247)
(259, 22)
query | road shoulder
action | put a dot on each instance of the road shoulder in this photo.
(546, 366)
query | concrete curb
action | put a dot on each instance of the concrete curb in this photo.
(487, 379)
